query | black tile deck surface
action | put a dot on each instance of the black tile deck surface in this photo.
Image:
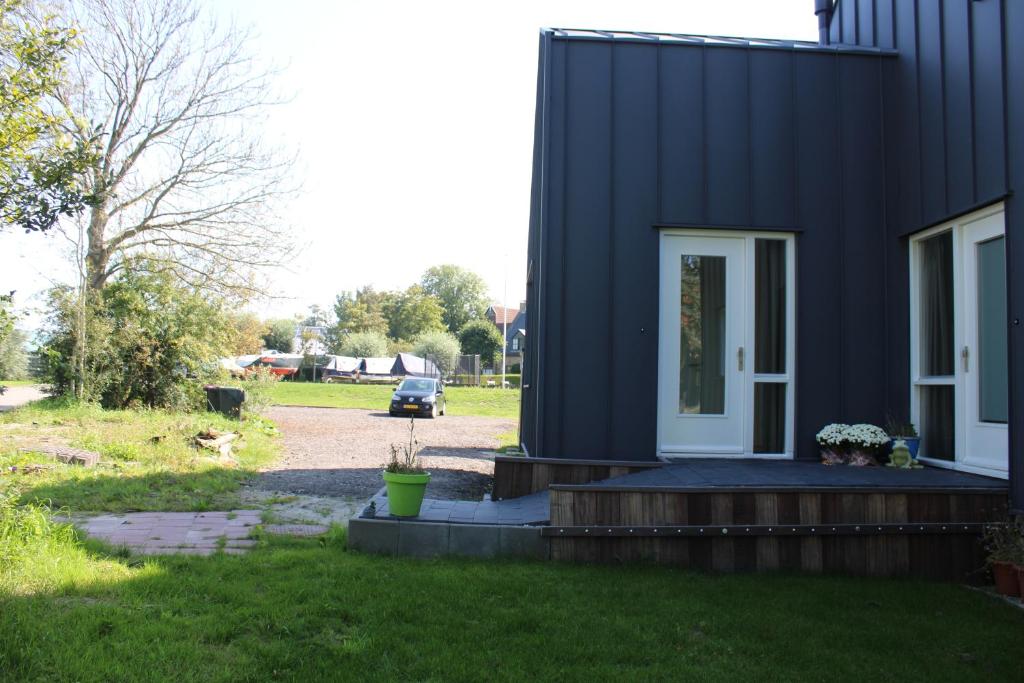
(712, 472)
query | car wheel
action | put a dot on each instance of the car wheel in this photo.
(392, 413)
(433, 411)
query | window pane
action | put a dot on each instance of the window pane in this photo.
(702, 335)
(992, 365)
(937, 305)
(770, 306)
(937, 430)
(769, 417)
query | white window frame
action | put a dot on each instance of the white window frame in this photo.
(751, 378)
(958, 381)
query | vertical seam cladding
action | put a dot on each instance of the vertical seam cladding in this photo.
(540, 287)
(704, 133)
(885, 229)
(970, 101)
(611, 240)
(945, 108)
(1006, 96)
(564, 231)
(917, 112)
(750, 145)
(838, 95)
(794, 216)
(658, 85)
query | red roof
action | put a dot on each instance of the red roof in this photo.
(504, 315)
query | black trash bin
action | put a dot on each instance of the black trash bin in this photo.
(225, 400)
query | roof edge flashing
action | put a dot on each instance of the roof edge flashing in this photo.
(653, 38)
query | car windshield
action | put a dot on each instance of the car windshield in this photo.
(416, 385)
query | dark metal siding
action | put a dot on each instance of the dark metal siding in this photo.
(645, 134)
(953, 144)
(854, 151)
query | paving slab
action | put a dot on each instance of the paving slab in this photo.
(187, 533)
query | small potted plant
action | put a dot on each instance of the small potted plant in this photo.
(906, 431)
(405, 478)
(1005, 548)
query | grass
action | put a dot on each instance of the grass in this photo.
(306, 609)
(149, 462)
(502, 403)
(19, 383)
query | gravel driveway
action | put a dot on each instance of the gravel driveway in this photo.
(339, 452)
(15, 397)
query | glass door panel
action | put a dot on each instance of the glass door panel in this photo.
(702, 315)
(993, 390)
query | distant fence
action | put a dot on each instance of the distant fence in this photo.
(466, 371)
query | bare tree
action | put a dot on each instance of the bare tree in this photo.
(182, 175)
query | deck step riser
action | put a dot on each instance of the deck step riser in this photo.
(914, 533)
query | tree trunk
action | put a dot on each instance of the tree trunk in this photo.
(97, 258)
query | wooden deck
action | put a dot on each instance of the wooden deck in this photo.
(758, 515)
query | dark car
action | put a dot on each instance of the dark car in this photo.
(418, 396)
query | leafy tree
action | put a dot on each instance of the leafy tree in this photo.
(360, 312)
(245, 334)
(317, 317)
(184, 175)
(279, 335)
(412, 313)
(153, 344)
(440, 347)
(6, 316)
(462, 294)
(13, 358)
(41, 173)
(481, 337)
(364, 345)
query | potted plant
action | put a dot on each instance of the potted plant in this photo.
(906, 431)
(1005, 548)
(405, 478)
(859, 444)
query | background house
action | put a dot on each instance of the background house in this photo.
(512, 323)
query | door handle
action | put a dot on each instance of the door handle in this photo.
(965, 355)
(739, 359)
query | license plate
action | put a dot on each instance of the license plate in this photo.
(410, 406)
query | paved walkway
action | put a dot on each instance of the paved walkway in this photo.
(15, 397)
(532, 509)
(188, 533)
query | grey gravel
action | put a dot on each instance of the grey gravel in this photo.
(340, 452)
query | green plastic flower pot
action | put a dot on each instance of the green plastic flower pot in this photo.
(405, 493)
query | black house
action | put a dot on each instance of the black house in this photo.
(736, 242)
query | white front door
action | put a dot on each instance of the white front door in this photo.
(959, 338)
(725, 345)
(984, 356)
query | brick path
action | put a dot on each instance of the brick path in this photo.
(162, 533)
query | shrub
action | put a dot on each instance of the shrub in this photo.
(483, 338)
(440, 347)
(363, 345)
(148, 342)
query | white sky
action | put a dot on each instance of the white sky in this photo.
(413, 122)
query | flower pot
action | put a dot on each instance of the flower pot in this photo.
(913, 444)
(405, 492)
(1007, 581)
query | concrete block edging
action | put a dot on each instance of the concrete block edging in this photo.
(434, 539)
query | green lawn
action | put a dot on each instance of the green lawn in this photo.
(461, 400)
(150, 461)
(306, 609)
(19, 383)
